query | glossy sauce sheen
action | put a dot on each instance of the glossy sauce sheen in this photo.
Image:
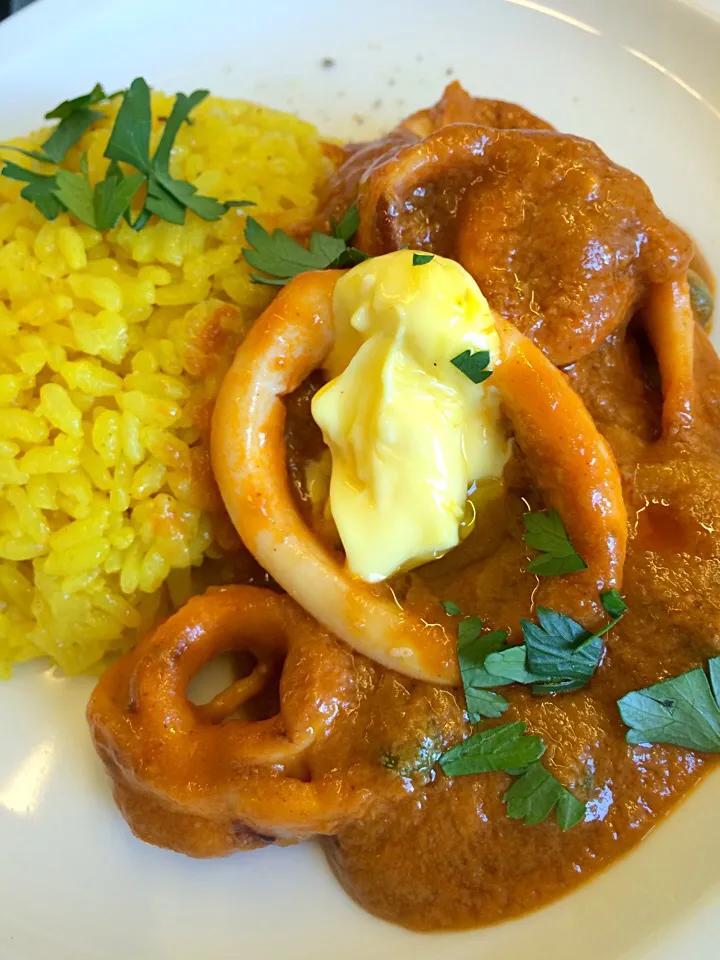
(408, 843)
(445, 855)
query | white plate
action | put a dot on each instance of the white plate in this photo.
(642, 77)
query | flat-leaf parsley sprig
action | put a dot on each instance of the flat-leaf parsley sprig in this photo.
(102, 206)
(683, 710)
(280, 257)
(544, 531)
(508, 747)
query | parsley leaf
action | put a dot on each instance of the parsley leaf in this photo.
(558, 648)
(558, 656)
(347, 228)
(129, 142)
(39, 189)
(33, 154)
(421, 258)
(473, 648)
(130, 138)
(451, 608)
(102, 207)
(282, 257)
(67, 133)
(544, 531)
(170, 198)
(683, 710)
(473, 365)
(509, 665)
(536, 793)
(178, 115)
(113, 195)
(613, 604)
(75, 118)
(504, 747)
(73, 190)
(68, 107)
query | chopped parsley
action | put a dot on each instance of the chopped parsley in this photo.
(473, 649)
(544, 531)
(451, 608)
(416, 758)
(505, 747)
(102, 206)
(40, 189)
(280, 257)
(75, 118)
(67, 108)
(473, 364)
(683, 710)
(536, 793)
(559, 655)
(421, 258)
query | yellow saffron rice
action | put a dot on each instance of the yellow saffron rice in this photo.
(112, 347)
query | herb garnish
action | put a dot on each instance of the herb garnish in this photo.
(75, 118)
(536, 793)
(544, 531)
(281, 257)
(68, 107)
(102, 207)
(421, 258)
(486, 660)
(473, 364)
(559, 655)
(683, 710)
(505, 747)
(39, 190)
(473, 649)
(451, 608)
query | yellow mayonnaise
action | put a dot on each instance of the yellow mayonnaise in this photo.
(407, 431)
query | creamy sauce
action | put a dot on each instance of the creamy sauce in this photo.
(408, 843)
(443, 854)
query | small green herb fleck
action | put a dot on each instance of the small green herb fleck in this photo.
(451, 608)
(613, 603)
(421, 258)
(473, 365)
(544, 531)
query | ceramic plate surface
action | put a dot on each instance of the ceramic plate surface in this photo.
(642, 78)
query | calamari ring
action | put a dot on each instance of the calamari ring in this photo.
(458, 149)
(236, 774)
(490, 197)
(571, 462)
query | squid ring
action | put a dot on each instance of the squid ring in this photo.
(193, 762)
(572, 464)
